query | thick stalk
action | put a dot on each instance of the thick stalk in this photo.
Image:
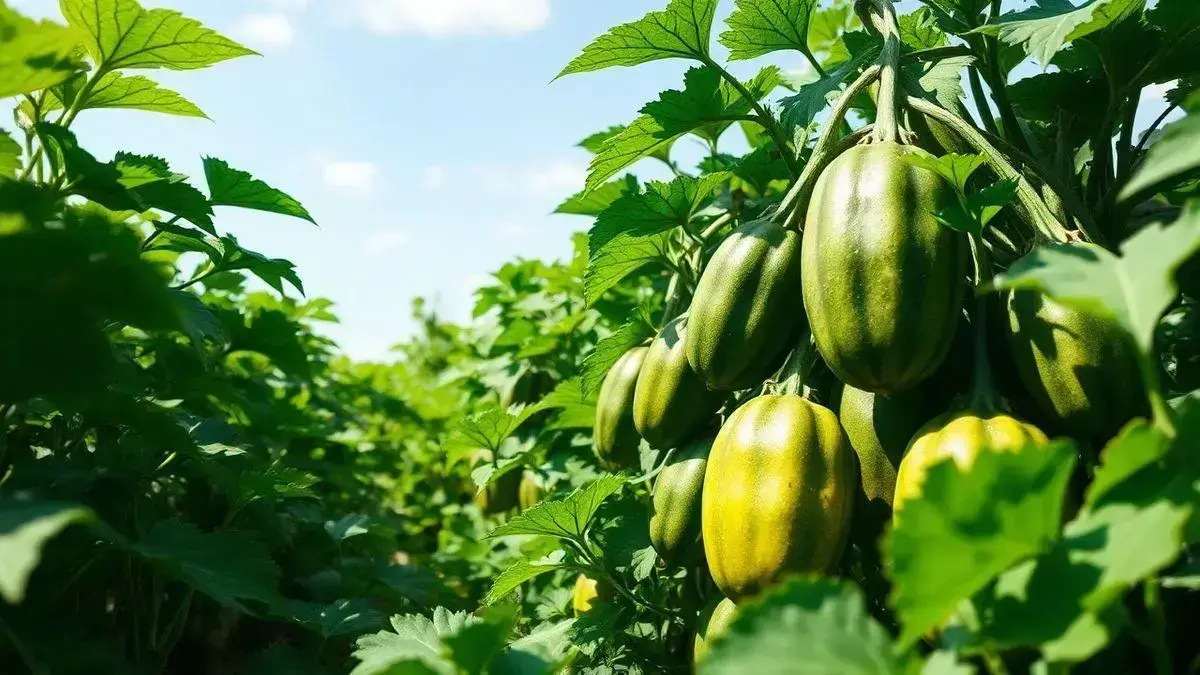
(1044, 220)
(795, 371)
(881, 15)
(1125, 142)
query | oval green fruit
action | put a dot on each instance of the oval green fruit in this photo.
(963, 436)
(671, 402)
(1079, 368)
(615, 436)
(713, 622)
(778, 494)
(530, 492)
(744, 314)
(675, 505)
(883, 279)
(879, 429)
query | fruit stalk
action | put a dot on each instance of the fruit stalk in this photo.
(881, 16)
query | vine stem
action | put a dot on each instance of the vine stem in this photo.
(881, 15)
(985, 113)
(766, 119)
(598, 568)
(983, 386)
(1158, 624)
(1046, 223)
(826, 149)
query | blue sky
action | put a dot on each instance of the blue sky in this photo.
(424, 136)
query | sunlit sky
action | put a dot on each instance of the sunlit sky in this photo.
(425, 137)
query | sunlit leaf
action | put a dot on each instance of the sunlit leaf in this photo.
(566, 518)
(682, 30)
(25, 527)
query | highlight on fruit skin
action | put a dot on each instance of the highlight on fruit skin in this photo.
(676, 503)
(670, 402)
(961, 436)
(778, 495)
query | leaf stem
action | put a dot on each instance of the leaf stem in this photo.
(1044, 221)
(1157, 629)
(985, 112)
(1125, 142)
(765, 117)
(983, 386)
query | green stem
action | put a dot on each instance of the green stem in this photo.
(983, 386)
(881, 15)
(993, 663)
(1141, 146)
(793, 376)
(597, 568)
(1044, 220)
(765, 118)
(1125, 142)
(985, 112)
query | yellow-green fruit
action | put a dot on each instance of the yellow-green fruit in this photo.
(1079, 368)
(530, 492)
(500, 495)
(711, 623)
(587, 593)
(961, 436)
(615, 436)
(675, 506)
(778, 494)
(671, 402)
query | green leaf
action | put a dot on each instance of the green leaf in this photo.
(1138, 446)
(347, 526)
(592, 202)
(566, 518)
(548, 643)
(124, 35)
(488, 429)
(413, 638)
(33, 55)
(663, 206)
(594, 142)
(707, 105)
(946, 663)
(759, 27)
(522, 571)
(1067, 601)
(1172, 156)
(940, 81)
(577, 410)
(473, 647)
(804, 626)
(25, 527)
(802, 108)
(273, 271)
(957, 169)
(618, 258)
(115, 90)
(88, 176)
(10, 155)
(231, 187)
(1043, 30)
(681, 30)
(410, 581)
(1134, 289)
(229, 567)
(919, 30)
(610, 348)
(967, 527)
(341, 617)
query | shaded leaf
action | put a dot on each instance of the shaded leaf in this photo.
(611, 348)
(25, 527)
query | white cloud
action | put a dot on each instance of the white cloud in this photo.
(515, 229)
(350, 176)
(441, 18)
(552, 179)
(265, 31)
(289, 5)
(386, 241)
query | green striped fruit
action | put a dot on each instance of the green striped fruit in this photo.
(675, 506)
(883, 279)
(670, 402)
(713, 622)
(778, 494)
(1080, 369)
(963, 436)
(744, 314)
(530, 492)
(615, 436)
